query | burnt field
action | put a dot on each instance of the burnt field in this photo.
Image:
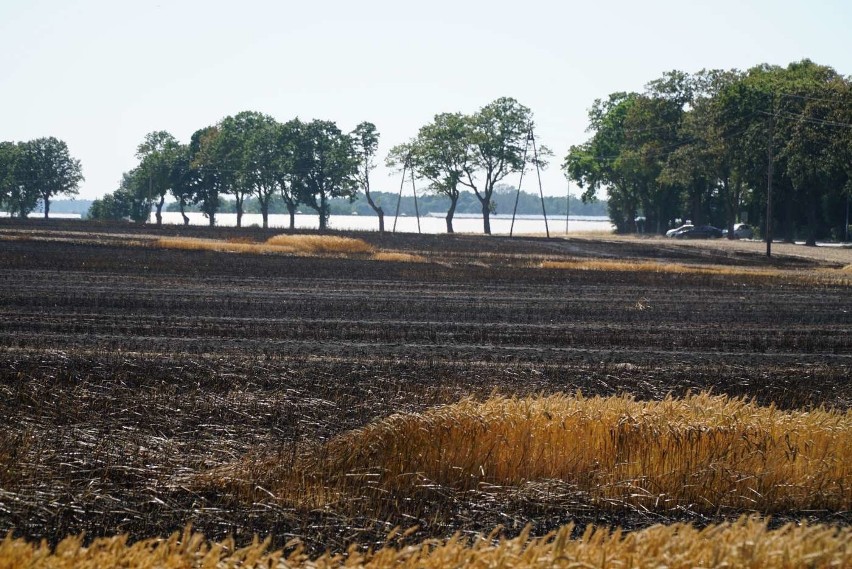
(127, 371)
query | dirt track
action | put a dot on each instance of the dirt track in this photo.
(126, 369)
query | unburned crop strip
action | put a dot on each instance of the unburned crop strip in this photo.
(837, 277)
(702, 453)
(744, 543)
(298, 244)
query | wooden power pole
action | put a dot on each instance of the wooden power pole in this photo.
(769, 183)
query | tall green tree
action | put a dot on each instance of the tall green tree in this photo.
(325, 166)
(599, 164)
(183, 180)
(130, 201)
(157, 154)
(258, 168)
(442, 153)
(49, 170)
(229, 156)
(498, 136)
(205, 172)
(365, 139)
(289, 135)
(9, 157)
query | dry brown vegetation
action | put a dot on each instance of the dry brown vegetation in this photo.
(744, 543)
(829, 276)
(304, 244)
(704, 452)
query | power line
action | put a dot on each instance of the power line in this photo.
(809, 98)
(808, 119)
(817, 121)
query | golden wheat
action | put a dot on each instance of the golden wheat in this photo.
(321, 244)
(745, 543)
(820, 276)
(702, 452)
(292, 244)
(398, 256)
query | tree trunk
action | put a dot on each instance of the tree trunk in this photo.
(46, 206)
(292, 209)
(211, 217)
(450, 213)
(789, 217)
(812, 219)
(264, 212)
(239, 202)
(183, 212)
(323, 213)
(379, 211)
(729, 208)
(486, 216)
(160, 210)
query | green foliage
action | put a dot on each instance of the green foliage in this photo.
(36, 170)
(499, 139)
(365, 140)
(696, 146)
(157, 154)
(442, 153)
(325, 166)
(130, 201)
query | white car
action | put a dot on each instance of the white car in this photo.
(741, 231)
(672, 232)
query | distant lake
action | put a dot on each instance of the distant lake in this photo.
(462, 223)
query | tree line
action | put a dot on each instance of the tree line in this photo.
(253, 156)
(248, 154)
(430, 203)
(704, 147)
(36, 171)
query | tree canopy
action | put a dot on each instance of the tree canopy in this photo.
(36, 170)
(697, 147)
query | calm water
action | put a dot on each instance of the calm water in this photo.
(500, 224)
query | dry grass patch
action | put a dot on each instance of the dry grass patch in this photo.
(821, 276)
(321, 244)
(292, 244)
(398, 257)
(701, 452)
(745, 543)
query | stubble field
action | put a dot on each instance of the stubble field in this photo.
(145, 388)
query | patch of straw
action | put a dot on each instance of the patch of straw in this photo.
(398, 257)
(703, 452)
(745, 543)
(292, 244)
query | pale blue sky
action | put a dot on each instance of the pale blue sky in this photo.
(100, 74)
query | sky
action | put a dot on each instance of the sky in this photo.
(101, 74)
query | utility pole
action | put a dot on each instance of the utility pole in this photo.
(399, 198)
(521, 181)
(416, 207)
(769, 182)
(567, 208)
(540, 190)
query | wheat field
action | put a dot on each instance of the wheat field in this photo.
(745, 543)
(702, 452)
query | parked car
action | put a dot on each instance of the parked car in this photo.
(741, 231)
(673, 232)
(699, 232)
